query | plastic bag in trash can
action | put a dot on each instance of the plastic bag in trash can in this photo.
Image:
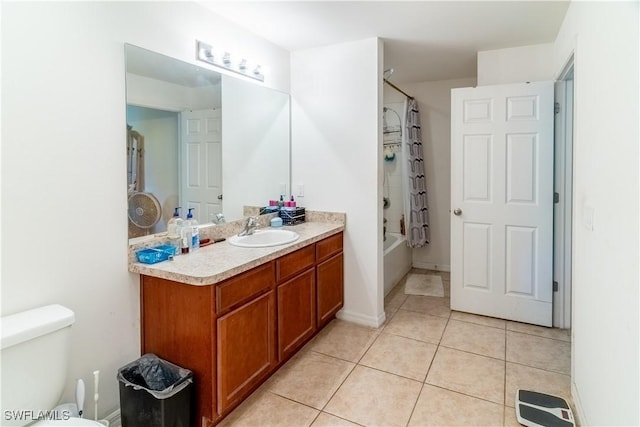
(157, 376)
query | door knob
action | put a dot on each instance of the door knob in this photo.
(457, 211)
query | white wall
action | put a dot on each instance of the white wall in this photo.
(516, 65)
(434, 102)
(336, 153)
(605, 300)
(64, 225)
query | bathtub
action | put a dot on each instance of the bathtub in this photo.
(397, 260)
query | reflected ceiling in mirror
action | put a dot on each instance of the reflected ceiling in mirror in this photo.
(195, 135)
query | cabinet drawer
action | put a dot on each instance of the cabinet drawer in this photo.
(243, 287)
(328, 247)
(294, 263)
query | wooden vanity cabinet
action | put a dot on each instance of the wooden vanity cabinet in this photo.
(245, 349)
(233, 335)
(329, 278)
(246, 333)
(296, 300)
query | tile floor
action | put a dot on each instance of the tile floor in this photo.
(426, 366)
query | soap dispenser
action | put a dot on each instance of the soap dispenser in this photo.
(174, 224)
(195, 231)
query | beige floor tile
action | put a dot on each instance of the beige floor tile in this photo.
(310, 378)
(401, 356)
(479, 320)
(267, 409)
(510, 419)
(439, 407)
(467, 373)
(328, 420)
(541, 331)
(544, 353)
(389, 312)
(396, 297)
(419, 326)
(344, 340)
(478, 339)
(434, 306)
(527, 378)
(372, 397)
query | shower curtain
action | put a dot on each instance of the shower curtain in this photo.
(416, 209)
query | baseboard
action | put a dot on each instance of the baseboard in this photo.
(360, 319)
(114, 418)
(581, 419)
(429, 266)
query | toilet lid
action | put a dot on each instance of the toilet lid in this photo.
(80, 422)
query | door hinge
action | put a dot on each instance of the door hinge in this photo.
(556, 198)
(555, 286)
(556, 107)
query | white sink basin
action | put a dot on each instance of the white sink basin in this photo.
(264, 238)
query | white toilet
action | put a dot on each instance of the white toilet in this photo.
(35, 355)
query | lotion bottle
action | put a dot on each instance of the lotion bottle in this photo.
(174, 224)
(192, 223)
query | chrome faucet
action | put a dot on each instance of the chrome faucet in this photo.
(249, 227)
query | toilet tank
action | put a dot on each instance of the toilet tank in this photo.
(34, 353)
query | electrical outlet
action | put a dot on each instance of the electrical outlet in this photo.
(300, 190)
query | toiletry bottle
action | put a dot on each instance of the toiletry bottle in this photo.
(292, 203)
(185, 238)
(192, 223)
(174, 224)
(281, 201)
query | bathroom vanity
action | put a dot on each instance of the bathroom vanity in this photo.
(234, 315)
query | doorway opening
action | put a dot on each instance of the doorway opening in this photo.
(563, 197)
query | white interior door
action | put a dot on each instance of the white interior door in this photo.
(201, 163)
(502, 201)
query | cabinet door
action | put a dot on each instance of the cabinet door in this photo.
(245, 348)
(330, 284)
(296, 313)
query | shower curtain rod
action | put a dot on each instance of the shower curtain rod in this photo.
(398, 89)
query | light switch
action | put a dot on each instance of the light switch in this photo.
(300, 190)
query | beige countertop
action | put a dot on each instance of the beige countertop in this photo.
(219, 261)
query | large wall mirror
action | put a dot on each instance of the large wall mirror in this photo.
(200, 139)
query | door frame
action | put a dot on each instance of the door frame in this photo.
(563, 185)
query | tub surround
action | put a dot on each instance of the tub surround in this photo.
(214, 263)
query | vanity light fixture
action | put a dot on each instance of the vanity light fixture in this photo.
(205, 53)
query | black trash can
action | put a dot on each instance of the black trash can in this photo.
(155, 393)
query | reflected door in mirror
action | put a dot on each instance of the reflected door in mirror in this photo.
(201, 163)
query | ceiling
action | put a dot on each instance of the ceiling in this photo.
(423, 40)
